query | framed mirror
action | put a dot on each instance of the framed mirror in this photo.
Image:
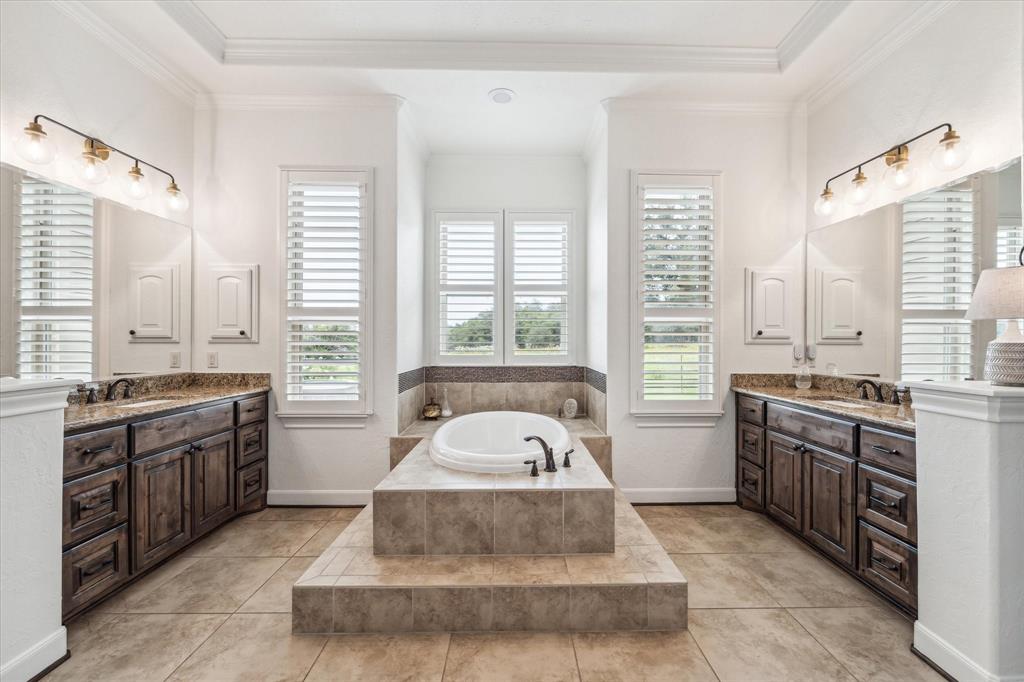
(90, 288)
(886, 291)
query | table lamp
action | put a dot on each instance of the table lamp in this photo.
(1000, 296)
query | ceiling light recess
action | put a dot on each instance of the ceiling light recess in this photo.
(501, 95)
(949, 154)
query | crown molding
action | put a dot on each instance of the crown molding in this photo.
(192, 19)
(877, 52)
(687, 106)
(811, 25)
(297, 102)
(173, 81)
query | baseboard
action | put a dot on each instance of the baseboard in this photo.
(679, 495)
(319, 498)
(37, 658)
(942, 654)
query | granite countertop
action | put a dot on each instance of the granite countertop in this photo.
(899, 417)
(172, 397)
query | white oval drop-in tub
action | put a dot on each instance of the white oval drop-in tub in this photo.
(492, 442)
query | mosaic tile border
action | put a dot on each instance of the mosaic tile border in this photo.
(597, 380)
(503, 374)
(411, 379)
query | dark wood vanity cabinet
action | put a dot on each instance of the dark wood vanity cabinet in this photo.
(135, 494)
(846, 488)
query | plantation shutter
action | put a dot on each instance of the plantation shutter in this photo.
(327, 236)
(54, 278)
(676, 268)
(540, 285)
(938, 277)
(469, 254)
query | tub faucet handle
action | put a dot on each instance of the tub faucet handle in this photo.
(565, 462)
(533, 471)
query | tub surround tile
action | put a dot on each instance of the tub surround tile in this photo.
(399, 447)
(607, 607)
(528, 522)
(410, 406)
(504, 374)
(452, 609)
(531, 608)
(459, 523)
(399, 522)
(585, 519)
(372, 610)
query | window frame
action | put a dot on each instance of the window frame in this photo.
(313, 413)
(669, 412)
(504, 288)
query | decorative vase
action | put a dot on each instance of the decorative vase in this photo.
(1004, 363)
(446, 409)
(431, 410)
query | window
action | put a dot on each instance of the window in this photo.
(674, 316)
(503, 288)
(327, 335)
(937, 280)
(54, 278)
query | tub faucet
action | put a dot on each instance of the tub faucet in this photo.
(549, 454)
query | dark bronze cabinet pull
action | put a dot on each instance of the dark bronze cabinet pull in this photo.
(252, 409)
(96, 568)
(252, 483)
(884, 503)
(89, 506)
(883, 563)
(252, 441)
(96, 451)
(882, 448)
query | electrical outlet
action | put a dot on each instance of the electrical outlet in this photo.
(211, 360)
(175, 359)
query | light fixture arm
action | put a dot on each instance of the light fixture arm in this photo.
(97, 140)
(890, 150)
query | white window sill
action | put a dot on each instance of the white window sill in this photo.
(676, 420)
(320, 420)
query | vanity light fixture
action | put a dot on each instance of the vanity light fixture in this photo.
(950, 153)
(35, 146)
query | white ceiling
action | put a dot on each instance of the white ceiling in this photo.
(562, 58)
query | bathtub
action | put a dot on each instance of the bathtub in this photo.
(492, 442)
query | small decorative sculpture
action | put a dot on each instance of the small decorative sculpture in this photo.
(431, 410)
(569, 409)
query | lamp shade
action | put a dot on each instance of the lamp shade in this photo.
(999, 295)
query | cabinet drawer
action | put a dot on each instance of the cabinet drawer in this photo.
(750, 409)
(95, 503)
(164, 432)
(888, 450)
(887, 501)
(832, 433)
(251, 486)
(252, 410)
(88, 452)
(251, 443)
(750, 443)
(750, 484)
(888, 564)
(94, 568)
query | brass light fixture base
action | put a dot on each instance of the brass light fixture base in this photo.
(96, 149)
(896, 155)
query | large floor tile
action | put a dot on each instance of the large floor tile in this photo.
(252, 646)
(538, 657)
(382, 658)
(243, 538)
(145, 585)
(763, 645)
(717, 581)
(323, 538)
(648, 656)
(872, 643)
(275, 596)
(654, 511)
(747, 533)
(294, 514)
(205, 586)
(805, 579)
(681, 534)
(113, 647)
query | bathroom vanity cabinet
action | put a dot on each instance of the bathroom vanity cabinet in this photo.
(138, 492)
(846, 487)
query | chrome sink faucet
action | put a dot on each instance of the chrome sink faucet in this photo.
(549, 454)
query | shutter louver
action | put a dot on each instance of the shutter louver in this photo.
(54, 282)
(540, 285)
(468, 286)
(326, 235)
(677, 291)
(937, 281)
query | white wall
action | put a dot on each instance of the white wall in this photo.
(762, 224)
(409, 289)
(240, 148)
(597, 245)
(963, 69)
(50, 64)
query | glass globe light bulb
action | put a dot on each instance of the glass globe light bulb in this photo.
(825, 205)
(34, 146)
(176, 199)
(90, 166)
(950, 153)
(135, 185)
(861, 190)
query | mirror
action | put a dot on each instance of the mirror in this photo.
(887, 290)
(90, 288)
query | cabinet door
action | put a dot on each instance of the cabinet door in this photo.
(830, 496)
(153, 303)
(233, 303)
(770, 305)
(784, 495)
(839, 306)
(213, 467)
(161, 505)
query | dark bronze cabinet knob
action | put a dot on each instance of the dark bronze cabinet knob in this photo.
(241, 332)
(132, 332)
(760, 332)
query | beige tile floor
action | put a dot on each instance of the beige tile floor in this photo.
(762, 607)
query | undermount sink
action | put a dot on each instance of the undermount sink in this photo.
(151, 402)
(841, 401)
